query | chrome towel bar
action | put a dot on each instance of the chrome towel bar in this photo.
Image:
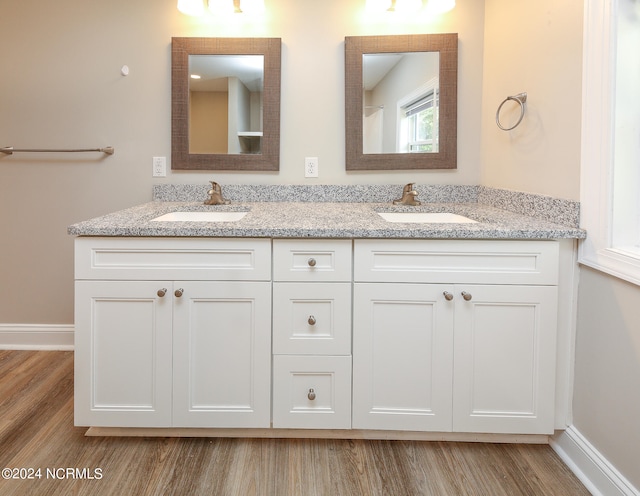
(9, 150)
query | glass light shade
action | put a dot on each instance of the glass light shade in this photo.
(440, 6)
(191, 7)
(402, 6)
(408, 6)
(227, 6)
(221, 6)
(252, 6)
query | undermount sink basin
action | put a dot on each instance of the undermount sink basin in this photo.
(426, 217)
(200, 217)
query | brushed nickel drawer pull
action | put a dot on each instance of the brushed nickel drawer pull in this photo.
(312, 394)
(447, 296)
(312, 320)
(179, 292)
(162, 292)
(466, 296)
(311, 262)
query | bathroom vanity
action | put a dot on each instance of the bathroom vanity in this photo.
(285, 327)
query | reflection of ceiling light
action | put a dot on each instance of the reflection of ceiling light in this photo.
(195, 76)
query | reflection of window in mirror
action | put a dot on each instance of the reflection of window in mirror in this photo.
(419, 120)
(416, 126)
(400, 102)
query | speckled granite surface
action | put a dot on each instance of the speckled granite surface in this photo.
(366, 193)
(336, 212)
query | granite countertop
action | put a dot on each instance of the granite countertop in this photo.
(326, 219)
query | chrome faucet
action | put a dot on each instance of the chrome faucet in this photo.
(215, 195)
(408, 196)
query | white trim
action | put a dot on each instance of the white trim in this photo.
(598, 475)
(36, 337)
(596, 187)
(271, 433)
(613, 262)
(567, 323)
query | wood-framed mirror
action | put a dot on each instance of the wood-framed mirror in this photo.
(401, 102)
(229, 117)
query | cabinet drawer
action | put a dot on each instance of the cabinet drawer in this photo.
(456, 261)
(213, 259)
(312, 319)
(311, 260)
(312, 392)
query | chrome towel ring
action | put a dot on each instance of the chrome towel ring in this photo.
(521, 98)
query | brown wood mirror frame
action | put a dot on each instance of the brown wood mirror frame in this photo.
(355, 48)
(269, 157)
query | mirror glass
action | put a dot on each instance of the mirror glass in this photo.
(225, 103)
(401, 102)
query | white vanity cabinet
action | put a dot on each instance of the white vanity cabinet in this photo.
(173, 332)
(367, 334)
(455, 335)
(312, 333)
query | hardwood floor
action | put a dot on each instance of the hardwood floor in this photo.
(37, 432)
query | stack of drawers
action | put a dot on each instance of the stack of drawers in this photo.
(312, 334)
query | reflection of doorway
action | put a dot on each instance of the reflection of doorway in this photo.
(372, 129)
(208, 127)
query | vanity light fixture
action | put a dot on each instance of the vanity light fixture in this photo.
(191, 7)
(405, 6)
(237, 6)
(440, 6)
(410, 6)
(196, 7)
(402, 6)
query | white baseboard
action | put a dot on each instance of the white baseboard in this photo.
(36, 337)
(598, 475)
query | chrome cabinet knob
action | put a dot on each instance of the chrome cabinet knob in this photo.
(311, 395)
(447, 296)
(311, 262)
(466, 296)
(179, 292)
(312, 320)
(162, 292)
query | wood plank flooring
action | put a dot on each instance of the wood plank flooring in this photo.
(37, 432)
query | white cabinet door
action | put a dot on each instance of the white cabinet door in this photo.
(222, 354)
(402, 357)
(505, 359)
(123, 354)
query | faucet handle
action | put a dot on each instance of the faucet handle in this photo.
(215, 195)
(408, 196)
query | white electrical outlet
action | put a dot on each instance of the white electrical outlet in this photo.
(311, 167)
(159, 166)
